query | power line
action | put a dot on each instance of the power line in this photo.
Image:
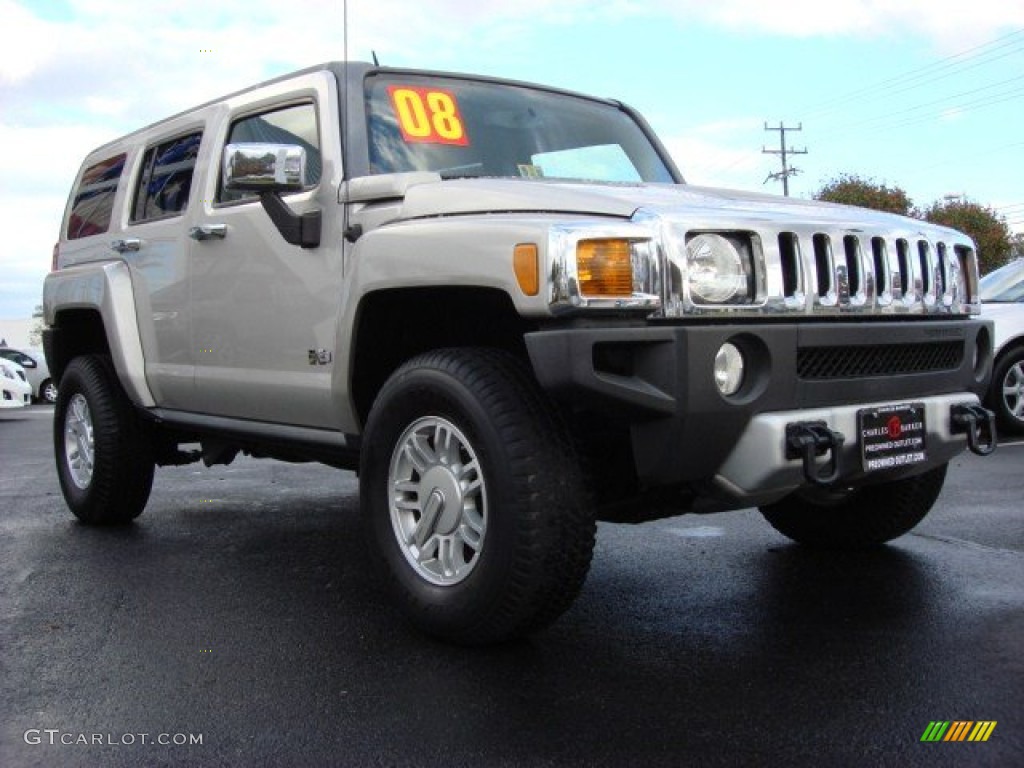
(1013, 40)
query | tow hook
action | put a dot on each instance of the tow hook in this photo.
(809, 439)
(975, 421)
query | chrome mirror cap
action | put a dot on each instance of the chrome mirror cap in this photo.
(265, 167)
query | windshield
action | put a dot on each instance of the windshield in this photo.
(463, 128)
(1006, 284)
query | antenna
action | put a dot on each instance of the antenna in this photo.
(343, 128)
(374, 54)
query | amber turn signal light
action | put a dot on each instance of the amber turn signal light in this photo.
(526, 263)
(604, 267)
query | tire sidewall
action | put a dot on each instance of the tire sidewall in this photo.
(415, 394)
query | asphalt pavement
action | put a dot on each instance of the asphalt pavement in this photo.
(237, 623)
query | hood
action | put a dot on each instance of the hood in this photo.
(699, 204)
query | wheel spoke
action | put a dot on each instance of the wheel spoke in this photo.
(421, 454)
(472, 529)
(470, 478)
(446, 554)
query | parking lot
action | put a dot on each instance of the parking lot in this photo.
(240, 609)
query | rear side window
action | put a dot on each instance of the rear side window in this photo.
(166, 178)
(291, 125)
(94, 199)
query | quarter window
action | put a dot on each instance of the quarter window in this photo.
(166, 178)
(291, 125)
(94, 199)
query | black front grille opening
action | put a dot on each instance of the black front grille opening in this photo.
(826, 363)
(823, 263)
(851, 248)
(924, 259)
(906, 272)
(964, 256)
(789, 256)
(942, 276)
(880, 257)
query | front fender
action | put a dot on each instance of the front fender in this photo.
(105, 288)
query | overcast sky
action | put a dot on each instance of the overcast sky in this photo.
(924, 94)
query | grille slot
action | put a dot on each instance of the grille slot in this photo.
(824, 363)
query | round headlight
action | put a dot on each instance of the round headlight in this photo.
(714, 270)
(728, 369)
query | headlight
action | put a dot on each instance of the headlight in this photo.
(717, 269)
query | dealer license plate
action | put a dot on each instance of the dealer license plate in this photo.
(892, 436)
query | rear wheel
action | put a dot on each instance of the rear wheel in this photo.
(472, 497)
(860, 518)
(104, 459)
(48, 392)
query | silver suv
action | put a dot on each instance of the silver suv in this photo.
(500, 304)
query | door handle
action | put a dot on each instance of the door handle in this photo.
(209, 232)
(125, 245)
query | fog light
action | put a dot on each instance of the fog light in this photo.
(728, 369)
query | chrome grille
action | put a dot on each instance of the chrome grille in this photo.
(868, 272)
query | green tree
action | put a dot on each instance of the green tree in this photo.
(851, 189)
(988, 230)
(1017, 246)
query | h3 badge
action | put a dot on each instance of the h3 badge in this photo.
(320, 357)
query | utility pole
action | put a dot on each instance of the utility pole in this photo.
(786, 171)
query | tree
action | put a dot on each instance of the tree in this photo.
(988, 230)
(851, 189)
(1017, 246)
(35, 335)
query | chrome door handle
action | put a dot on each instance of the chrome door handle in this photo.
(125, 245)
(209, 232)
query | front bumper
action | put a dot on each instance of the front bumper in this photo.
(658, 379)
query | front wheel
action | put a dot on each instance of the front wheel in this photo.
(861, 518)
(104, 459)
(472, 497)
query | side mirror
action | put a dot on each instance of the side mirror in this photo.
(271, 170)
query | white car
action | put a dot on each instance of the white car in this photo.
(1002, 294)
(16, 391)
(34, 362)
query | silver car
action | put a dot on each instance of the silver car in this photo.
(1002, 294)
(34, 363)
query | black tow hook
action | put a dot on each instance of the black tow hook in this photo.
(976, 422)
(809, 439)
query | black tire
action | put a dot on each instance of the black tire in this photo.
(863, 518)
(533, 556)
(115, 490)
(48, 392)
(1006, 392)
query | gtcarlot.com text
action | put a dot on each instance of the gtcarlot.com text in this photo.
(54, 736)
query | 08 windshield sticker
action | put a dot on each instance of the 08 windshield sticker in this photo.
(428, 115)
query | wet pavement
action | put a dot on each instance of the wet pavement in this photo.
(240, 609)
